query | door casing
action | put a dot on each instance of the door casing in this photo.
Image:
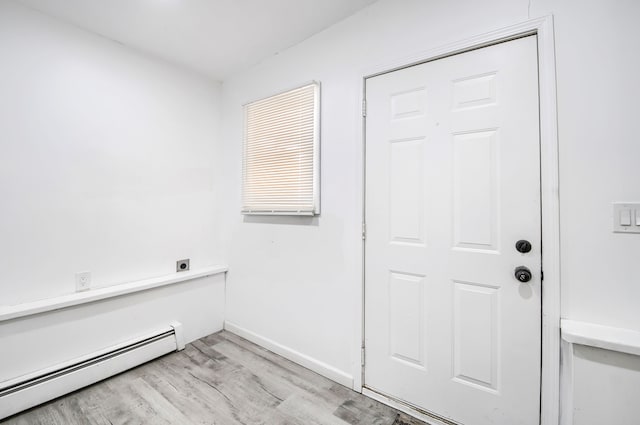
(543, 29)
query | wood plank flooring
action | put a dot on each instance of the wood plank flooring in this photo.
(221, 379)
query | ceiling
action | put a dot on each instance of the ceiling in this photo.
(214, 37)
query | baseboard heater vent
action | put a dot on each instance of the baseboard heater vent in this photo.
(31, 390)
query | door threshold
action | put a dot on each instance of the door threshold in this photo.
(409, 409)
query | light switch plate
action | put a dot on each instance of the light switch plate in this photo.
(626, 217)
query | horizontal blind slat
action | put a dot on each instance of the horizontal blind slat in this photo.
(279, 152)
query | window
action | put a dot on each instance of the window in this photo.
(281, 154)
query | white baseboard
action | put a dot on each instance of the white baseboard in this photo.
(293, 355)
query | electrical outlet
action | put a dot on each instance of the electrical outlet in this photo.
(182, 265)
(83, 281)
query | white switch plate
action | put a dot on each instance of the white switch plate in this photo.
(83, 281)
(629, 211)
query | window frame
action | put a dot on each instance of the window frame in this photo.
(315, 161)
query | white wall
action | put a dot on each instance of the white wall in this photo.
(597, 45)
(105, 151)
(297, 281)
(602, 387)
(107, 164)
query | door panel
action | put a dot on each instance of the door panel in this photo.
(406, 310)
(475, 347)
(406, 205)
(452, 182)
(475, 189)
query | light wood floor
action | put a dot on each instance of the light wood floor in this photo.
(221, 379)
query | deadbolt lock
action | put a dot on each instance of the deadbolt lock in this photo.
(523, 246)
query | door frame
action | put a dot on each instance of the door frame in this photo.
(549, 197)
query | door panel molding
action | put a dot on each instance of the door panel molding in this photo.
(543, 29)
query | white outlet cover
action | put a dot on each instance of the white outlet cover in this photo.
(83, 281)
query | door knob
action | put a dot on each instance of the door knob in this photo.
(523, 246)
(523, 274)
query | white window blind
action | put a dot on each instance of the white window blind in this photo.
(281, 154)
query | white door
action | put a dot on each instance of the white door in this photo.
(452, 183)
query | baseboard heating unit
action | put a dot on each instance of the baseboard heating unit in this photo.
(33, 389)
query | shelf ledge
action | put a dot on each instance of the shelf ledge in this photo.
(609, 338)
(92, 295)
